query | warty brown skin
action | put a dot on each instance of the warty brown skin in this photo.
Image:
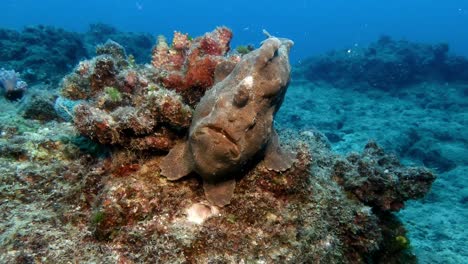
(233, 123)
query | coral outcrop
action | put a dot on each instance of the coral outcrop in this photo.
(379, 180)
(188, 66)
(142, 107)
(121, 105)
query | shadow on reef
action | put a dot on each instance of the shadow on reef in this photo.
(118, 208)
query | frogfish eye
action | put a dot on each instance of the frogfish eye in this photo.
(241, 97)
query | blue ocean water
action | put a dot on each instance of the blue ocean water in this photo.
(315, 26)
(419, 113)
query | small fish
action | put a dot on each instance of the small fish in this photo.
(139, 6)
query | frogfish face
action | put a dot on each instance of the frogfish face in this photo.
(233, 122)
(232, 125)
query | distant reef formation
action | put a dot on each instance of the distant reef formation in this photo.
(43, 54)
(91, 190)
(137, 45)
(385, 64)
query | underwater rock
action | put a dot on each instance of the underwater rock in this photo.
(380, 181)
(233, 123)
(39, 105)
(297, 216)
(137, 45)
(59, 203)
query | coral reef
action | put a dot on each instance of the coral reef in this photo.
(386, 64)
(233, 123)
(65, 198)
(188, 66)
(40, 53)
(44, 54)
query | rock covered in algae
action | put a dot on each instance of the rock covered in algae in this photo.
(298, 216)
(59, 203)
(379, 180)
(119, 104)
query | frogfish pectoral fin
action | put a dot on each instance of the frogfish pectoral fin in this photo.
(276, 158)
(178, 163)
(219, 193)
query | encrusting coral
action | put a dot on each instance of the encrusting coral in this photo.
(188, 66)
(121, 105)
